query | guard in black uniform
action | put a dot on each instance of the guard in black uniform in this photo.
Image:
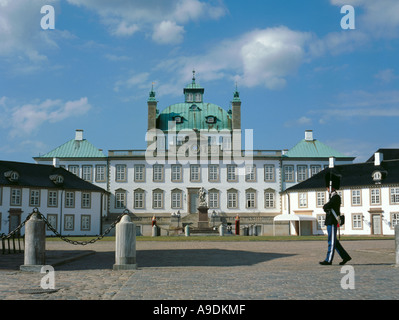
(332, 210)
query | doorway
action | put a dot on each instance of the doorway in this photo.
(193, 200)
(376, 224)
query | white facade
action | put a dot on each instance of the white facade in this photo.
(371, 209)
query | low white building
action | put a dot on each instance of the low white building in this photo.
(72, 205)
(369, 193)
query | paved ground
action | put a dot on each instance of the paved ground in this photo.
(209, 271)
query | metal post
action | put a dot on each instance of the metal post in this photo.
(35, 244)
(125, 243)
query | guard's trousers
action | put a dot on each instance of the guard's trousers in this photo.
(334, 244)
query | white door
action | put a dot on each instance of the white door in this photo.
(376, 224)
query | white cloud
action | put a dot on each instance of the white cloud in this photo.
(168, 32)
(386, 76)
(378, 18)
(261, 57)
(124, 18)
(28, 118)
(358, 104)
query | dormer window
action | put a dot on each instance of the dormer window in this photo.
(194, 107)
(13, 176)
(178, 119)
(57, 179)
(211, 119)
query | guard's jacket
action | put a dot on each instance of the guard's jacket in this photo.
(334, 203)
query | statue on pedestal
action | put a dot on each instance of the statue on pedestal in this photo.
(202, 198)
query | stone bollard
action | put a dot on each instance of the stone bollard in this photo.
(125, 245)
(221, 230)
(35, 244)
(187, 231)
(397, 244)
(154, 230)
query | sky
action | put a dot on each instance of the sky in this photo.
(296, 64)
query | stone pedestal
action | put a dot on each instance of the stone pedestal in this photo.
(35, 244)
(125, 243)
(203, 220)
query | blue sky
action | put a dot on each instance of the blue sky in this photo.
(295, 68)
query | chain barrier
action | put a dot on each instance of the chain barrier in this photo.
(83, 243)
(74, 242)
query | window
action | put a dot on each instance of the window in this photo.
(74, 169)
(69, 199)
(139, 173)
(100, 173)
(158, 173)
(289, 173)
(1, 195)
(321, 219)
(139, 197)
(394, 195)
(190, 97)
(16, 197)
(320, 199)
(303, 200)
(176, 199)
(302, 173)
(157, 199)
(195, 175)
(34, 199)
(270, 201)
(213, 173)
(394, 219)
(250, 173)
(120, 175)
(52, 200)
(52, 220)
(356, 198)
(269, 173)
(232, 199)
(213, 197)
(85, 222)
(211, 120)
(87, 173)
(250, 198)
(198, 97)
(314, 170)
(69, 222)
(357, 221)
(86, 200)
(231, 173)
(176, 172)
(375, 196)
(120, 199)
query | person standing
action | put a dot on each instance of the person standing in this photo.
(332, 210)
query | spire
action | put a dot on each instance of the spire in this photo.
(152, 94)
(193, 77)
(236, 95)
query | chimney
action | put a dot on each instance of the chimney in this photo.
(79, 135)
(331, 163)
(309, 135)
(378, 158)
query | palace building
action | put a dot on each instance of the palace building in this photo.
(194, 144)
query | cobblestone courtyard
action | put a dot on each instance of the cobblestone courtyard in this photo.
(286, 270)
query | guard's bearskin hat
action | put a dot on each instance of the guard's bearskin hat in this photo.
(334, 178)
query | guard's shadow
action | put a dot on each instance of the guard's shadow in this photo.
(202, 258)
